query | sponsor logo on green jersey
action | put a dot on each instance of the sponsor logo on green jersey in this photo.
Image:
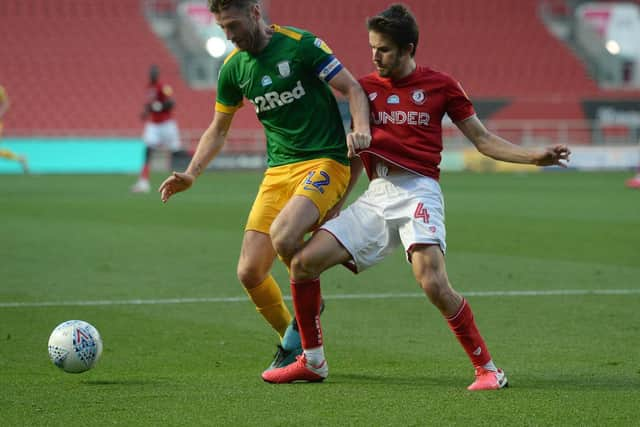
(273, 99)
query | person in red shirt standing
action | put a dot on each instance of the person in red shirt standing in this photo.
(160, 129)
(403, 203)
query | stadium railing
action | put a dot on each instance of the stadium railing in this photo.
(524, 132)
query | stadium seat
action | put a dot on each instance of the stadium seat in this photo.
(496, 48)
(80, 67)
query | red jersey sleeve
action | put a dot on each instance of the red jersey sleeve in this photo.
(458, 106)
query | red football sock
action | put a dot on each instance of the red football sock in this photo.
(145, 172)
(306, 302)
(464, 327)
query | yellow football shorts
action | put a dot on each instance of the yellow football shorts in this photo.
(323, 181)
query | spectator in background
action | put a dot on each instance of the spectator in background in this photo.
(160, 129)
(6, 154)
(635, 181)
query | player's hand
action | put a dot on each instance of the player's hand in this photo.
(357, 141)
(554, 155)
(176, 183)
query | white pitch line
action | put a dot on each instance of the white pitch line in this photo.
(478, 294)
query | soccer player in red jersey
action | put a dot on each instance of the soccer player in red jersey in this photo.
(160, 129)
(403, 203)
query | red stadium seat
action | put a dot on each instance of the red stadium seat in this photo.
(497, 48)
(73, 66)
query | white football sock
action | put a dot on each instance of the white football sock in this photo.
(315, 356)
(490, 366)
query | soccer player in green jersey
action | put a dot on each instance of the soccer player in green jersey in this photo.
(287, 75)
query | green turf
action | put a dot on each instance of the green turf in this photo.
(571, 359)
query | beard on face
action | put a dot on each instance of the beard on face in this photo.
(387, 70)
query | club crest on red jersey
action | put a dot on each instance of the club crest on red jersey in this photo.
(418, 96)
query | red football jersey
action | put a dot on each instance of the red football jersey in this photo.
(406, 118)
(159, 92)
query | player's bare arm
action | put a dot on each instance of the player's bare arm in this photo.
(497, 148)
(360, 137)
(210, 144)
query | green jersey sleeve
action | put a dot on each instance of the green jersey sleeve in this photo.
(229, 97)
(318, 57)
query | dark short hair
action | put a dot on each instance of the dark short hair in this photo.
(398, 23)
(216, 6)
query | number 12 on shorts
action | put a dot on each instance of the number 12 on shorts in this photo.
(310, 184)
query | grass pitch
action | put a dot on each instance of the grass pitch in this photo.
(549, 262)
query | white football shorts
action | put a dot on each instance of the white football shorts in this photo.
(404, 208)
(162, 135)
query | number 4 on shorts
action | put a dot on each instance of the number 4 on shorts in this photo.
(421, 212)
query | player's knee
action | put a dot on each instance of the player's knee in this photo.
(284, 246)
(250, 276)
(436, 286)
(303, 267)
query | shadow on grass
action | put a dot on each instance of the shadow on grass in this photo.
(415, 380)
(581, 382)
(119, 382)
(527, 382)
